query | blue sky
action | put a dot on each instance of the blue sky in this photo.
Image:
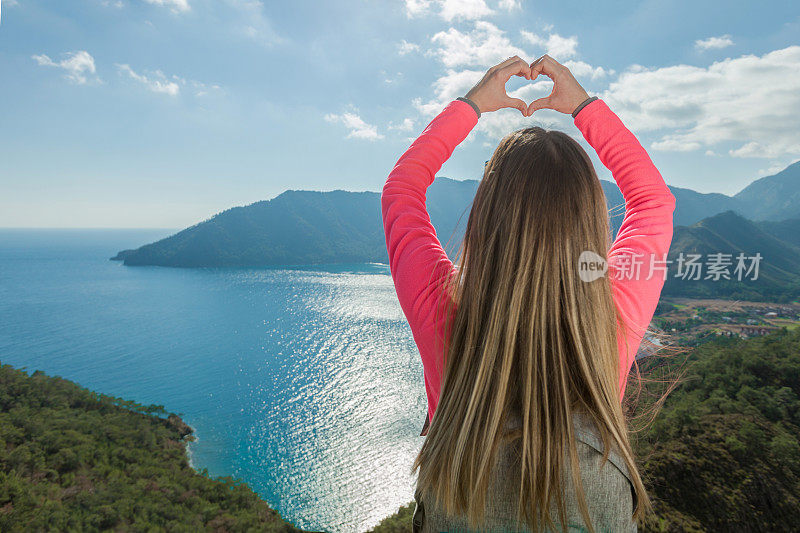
(160, 113)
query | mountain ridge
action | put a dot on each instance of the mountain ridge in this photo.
(312, 227)
(778, 277)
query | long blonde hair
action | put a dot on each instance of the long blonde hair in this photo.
(527, 335)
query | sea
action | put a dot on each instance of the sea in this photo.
(302, 381)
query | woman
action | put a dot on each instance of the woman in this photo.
(525, 358)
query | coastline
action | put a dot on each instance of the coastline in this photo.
(187, 446)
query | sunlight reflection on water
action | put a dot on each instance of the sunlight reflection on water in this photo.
(305, 382)
(341, 431)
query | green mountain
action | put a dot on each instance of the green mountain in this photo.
(774, 197)
(778, 277)
(785, 230)
(303, 227)
(296, 227)
(75, 460)
(308, 227)
(723, 454)
(695, 206)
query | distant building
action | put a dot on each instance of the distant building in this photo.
(755, 331)
(771, 314)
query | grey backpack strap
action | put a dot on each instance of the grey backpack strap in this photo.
(597, 443)
(586, 431)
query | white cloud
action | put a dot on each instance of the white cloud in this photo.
(405, 47)
(77, 65)
(358, 128)
(555, 45)
(747, 105)
(176, 6)
(581, 69)
(751, 149)
(775, 168)
(670, 144)
(449, 10)
(406, 125)
(485, 45)
(447, 87)
(416, 8)
(156, 81)
(714, 43)
(740, 107)
(510, 5)
(464, 9)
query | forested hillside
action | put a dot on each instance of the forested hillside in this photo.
(724, 452)
(75, 460)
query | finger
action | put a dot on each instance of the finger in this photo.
(541, 103)
(517, 68)
(516, 103)
(506, 62)
(552, 62)
(544, 65)
(536, 68)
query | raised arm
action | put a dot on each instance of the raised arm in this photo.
(636, 259)
(417, 261)
(416, 258)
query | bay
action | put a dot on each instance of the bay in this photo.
(302, 381)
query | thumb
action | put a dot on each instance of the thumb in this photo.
(541, 103)
(517, 104)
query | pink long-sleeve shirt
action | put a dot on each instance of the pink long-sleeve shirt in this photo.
(420, 266)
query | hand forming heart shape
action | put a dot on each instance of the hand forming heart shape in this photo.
(489, 94)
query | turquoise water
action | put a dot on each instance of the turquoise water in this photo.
(305, 381)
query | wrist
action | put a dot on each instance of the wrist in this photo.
(472, 103)
(588, 100)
